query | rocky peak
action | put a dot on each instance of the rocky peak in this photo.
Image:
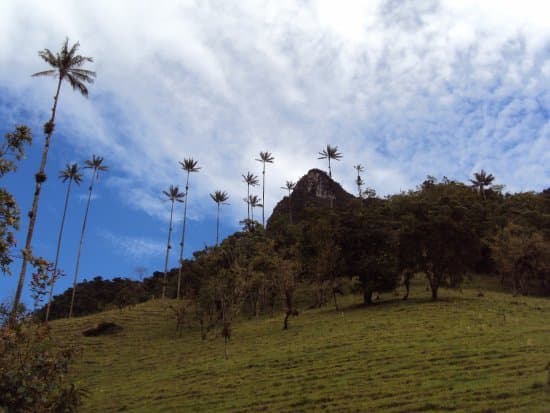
(315, 189)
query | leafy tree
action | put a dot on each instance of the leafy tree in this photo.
(173, 195)
(368, 245)
(481, 180)
(67, 65)
(189, 165)
(34, 372)
(250, 180)
(438, 233)
(11, 151)
(522, 254)
(330, 152)
(265, 157)
(72, 174)
(219, 197)
(97, 166)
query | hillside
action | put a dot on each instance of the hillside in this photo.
(464, 353)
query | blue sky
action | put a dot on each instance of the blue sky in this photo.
(406, 88)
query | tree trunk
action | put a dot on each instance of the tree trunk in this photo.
(367, 297)
(27, 252)
(167, 253)
(54, 275)
(218, 225)
(263, 196)
(434, 285)
(182, 243)
(90, 190)
(335, 299)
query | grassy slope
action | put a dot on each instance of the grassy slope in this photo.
(464, 353)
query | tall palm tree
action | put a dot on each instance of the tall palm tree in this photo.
(173, 195)
(96, 165)
(72, 174)
(67, 65)
(254, 201)
(265, 157)
(359, 181)
(189, 165)
(481, 180)
(250, 180)
(289, 186)
(219, 197)
(331, 152)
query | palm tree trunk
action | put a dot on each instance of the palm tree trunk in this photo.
(167, 252)
(263, 196)
(182, 243)
(218, 225)
(248, 200)
(27, 252)
(289, 207)
(54, 275)
(90, 190)
(329, 171)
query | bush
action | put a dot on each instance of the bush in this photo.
(34, 372)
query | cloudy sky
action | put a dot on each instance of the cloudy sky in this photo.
(405, 87)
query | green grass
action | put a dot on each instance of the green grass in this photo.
(463, 353)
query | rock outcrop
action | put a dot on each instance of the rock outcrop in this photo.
(314, 190)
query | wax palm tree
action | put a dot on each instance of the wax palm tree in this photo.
(331, 152)
(173, 195)
(219, 197)
(96, 165)
(265, 157)
(188, 165)
(254, 202)
(72, 174)
(481, 180)
(67, 65)
(250, 180)
(289, 186)
(359, 181)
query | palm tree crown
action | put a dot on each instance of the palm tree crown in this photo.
(265, 157)
(481, 180)
(173, 194)
(67, 65)
(289, 186)
(190, 165)
(250, 179)
(330, 152)
(219, 197)
(71, 173)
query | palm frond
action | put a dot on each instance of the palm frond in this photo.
(251, 179)
(45, 73)
(190, 165)
(265, 157)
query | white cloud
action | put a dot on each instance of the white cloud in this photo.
(135, 247)
(406, 88)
